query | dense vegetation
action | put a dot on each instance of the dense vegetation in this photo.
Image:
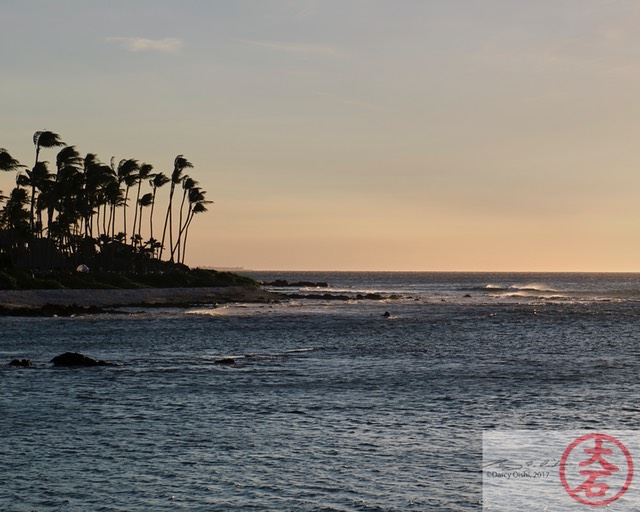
(89, 215)
(176, 277)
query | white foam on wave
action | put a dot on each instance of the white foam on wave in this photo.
(534, 287)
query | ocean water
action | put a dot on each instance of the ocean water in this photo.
(331, 406)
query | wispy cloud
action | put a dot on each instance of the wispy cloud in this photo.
(299, 48)
(141, 44)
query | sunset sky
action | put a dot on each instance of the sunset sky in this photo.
(353, 134)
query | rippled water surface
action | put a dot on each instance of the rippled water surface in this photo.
(331, 407)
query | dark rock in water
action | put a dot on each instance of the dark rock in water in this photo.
(386, 314)
(227, 361)
(21, 363)
(369, 296)
(75, 359)
(317, 296)
(467, 296)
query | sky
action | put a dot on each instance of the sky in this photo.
(444, 135)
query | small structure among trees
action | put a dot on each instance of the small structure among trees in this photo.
(85, 212)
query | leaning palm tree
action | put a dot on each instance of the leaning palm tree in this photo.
(179, 164)
(197, 204)
(188, 184)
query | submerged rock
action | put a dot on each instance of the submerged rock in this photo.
(21, 363)
(227, 361)
(75, 359)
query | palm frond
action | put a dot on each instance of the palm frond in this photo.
(47, 139)
(146, 199)
(7, 162)
(69, 157)
(159, 179)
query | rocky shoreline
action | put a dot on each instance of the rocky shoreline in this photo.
(72, 302)
(75, 302)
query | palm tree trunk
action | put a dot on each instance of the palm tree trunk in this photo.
(140, 226)
(112, 221)
(124, 207)
(135, 217)
(167, 220)
(186, 234)
(153, 203)
(33, 209)
(177, 246)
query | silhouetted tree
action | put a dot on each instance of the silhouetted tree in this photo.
(80, 200)
(7, 164)
(188, 184)
(159, 180)
(197, 204)
(179, 165)
(145, 201)
(127, 174)
(41, 139)
(143, 174)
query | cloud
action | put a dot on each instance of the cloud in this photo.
(299, 48)
(141, 44)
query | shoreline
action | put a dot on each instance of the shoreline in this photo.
(152, 297)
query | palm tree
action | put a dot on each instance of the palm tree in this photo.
(41, 139)
(46, 139)
(179, 164)
(187, 185)
(127, 173)
(143, 202)
(113, 195)
(67, 188)
(96, 176)
(7, 163)
(197, 204)
(37, 177)
(143, 173)
(47, 200)
(159, 180)
(14, 216)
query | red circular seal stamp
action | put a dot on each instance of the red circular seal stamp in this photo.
(600, 465)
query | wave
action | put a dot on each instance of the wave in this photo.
(529, 295)
(533, 287)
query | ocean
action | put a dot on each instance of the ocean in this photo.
(331, 406)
